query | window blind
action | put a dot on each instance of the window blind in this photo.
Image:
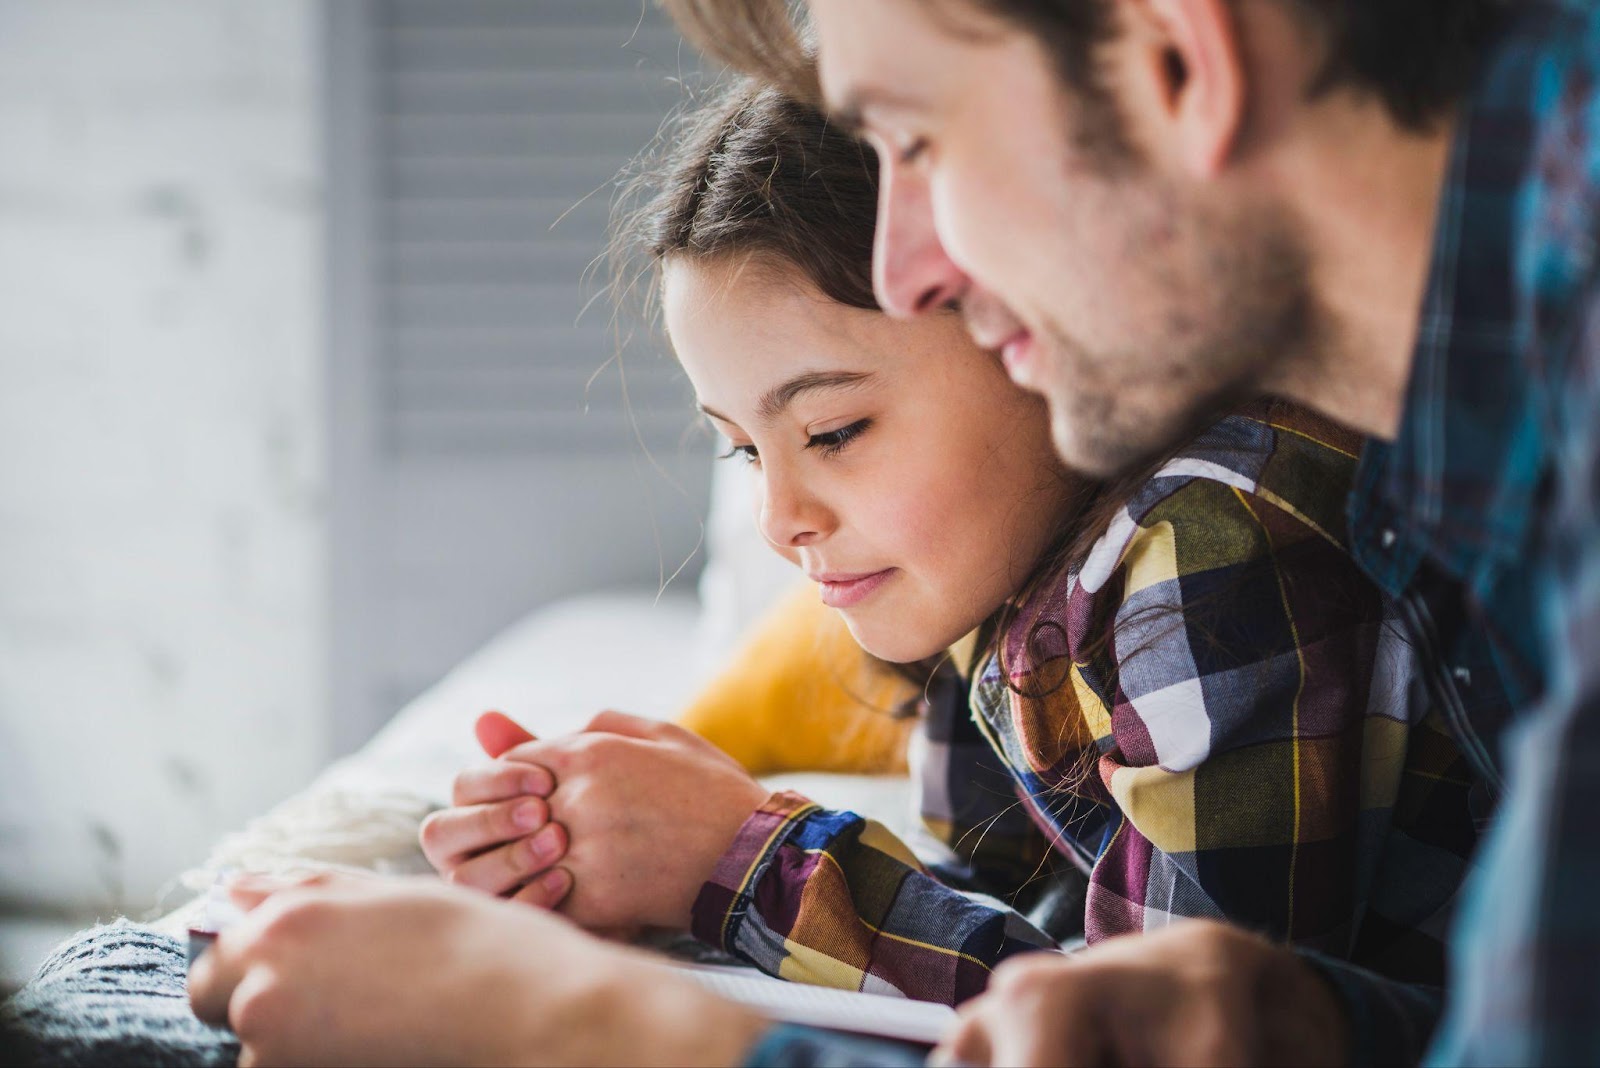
(501, 125)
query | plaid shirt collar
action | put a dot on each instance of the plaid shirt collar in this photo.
(1459, 485)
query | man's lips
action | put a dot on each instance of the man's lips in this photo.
(1017, 353)
(847, 590)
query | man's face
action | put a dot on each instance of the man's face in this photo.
(1141, 303)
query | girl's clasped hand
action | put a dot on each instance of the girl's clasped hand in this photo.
(617, 825)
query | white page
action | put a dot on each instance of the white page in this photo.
(818, 1006)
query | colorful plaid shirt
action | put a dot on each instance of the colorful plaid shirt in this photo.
(1211, 717)
(1483, 519)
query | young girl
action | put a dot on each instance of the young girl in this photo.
(1180, 685)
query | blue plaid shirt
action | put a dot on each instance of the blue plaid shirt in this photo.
(1482, 519)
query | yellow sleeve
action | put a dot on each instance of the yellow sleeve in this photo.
(801, 695)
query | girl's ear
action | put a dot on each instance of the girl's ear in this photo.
(498, 732)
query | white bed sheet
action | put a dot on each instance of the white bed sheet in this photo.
(552, 672)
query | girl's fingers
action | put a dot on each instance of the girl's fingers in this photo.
(500, 870)
(547, 891)
(499, 781)
(452, 835)
(498, 732)
(613, 722)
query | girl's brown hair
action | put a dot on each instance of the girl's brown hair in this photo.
(755, 173)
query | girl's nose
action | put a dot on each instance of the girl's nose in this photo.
(790, 516)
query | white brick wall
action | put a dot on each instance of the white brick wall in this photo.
(161, 458)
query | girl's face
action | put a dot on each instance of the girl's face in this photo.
(899, 466)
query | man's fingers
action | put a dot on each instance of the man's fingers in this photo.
(212, 979)
(249, 889)
(500, 781)
(968, 1044)
(454, 834)
(498, 732)
(1038, 1010)
(499, 870)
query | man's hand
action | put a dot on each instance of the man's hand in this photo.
(1196, 993)
(341, 970)
(648, 808)
(497, 836)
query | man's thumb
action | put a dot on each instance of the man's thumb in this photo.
(498, 732)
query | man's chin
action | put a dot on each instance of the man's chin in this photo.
(1098, 456)
(1105, 448)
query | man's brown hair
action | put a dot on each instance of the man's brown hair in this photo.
(1417, 56)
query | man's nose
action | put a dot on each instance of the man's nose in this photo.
(911, 274)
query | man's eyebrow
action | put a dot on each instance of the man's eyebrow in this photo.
(850, 115)
(778, 398)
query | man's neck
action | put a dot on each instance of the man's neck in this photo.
(1367, 196)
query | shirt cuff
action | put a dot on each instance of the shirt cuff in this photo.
(724, 898)
(1390, 1021)
(791, 1046)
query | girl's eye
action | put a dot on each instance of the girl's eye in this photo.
(836, 440)
(748, 452)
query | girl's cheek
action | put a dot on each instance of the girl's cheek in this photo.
(924, 522)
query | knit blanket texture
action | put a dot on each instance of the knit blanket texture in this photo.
(112, 995)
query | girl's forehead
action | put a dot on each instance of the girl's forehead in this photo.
(718, 312)
(742, 281)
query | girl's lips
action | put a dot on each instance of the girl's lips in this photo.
(847, 591)
(1017, 353)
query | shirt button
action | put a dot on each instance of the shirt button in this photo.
(1388, 538)
(1462, 675)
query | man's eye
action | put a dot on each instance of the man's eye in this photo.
(913, 151)
(748, 452)
(835, 440)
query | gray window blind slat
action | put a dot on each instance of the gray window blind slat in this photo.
(536, 221)
(527, 262)
(563, 178)
(531, 46)
(512, 93)
(514, 14)
(590, 136)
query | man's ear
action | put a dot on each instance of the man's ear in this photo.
(1192, 57)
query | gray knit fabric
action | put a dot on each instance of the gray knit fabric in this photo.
(113, 995)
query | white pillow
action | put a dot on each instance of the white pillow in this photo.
(743, 576)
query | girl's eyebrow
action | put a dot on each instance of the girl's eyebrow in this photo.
(778, 398)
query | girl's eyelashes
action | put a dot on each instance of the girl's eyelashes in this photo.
(836, 440)
(828, 444)
(747, 452)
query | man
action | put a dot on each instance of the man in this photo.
(1386, 211)
(1154, 207)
